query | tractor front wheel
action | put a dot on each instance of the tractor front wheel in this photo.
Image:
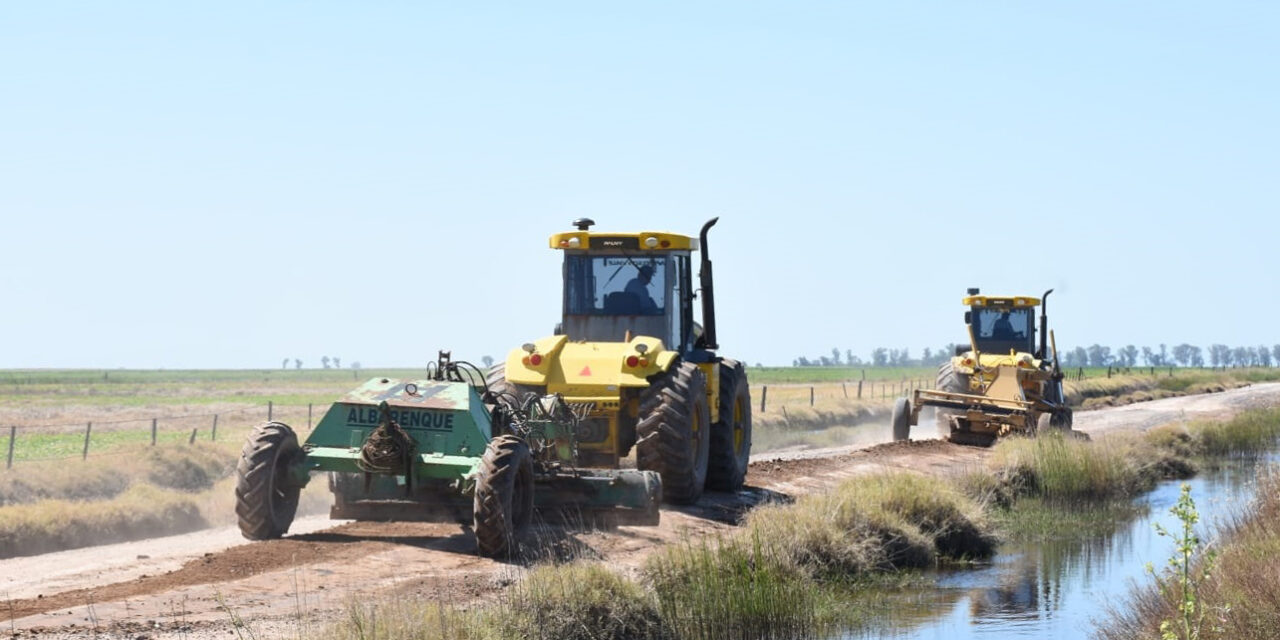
(266, 500)
(731, 435)
(673, 432)
(901, 419)
(504, 496)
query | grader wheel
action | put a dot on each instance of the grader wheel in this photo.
(673, 433)
(901, 419)
(265, 499)
(731, 435)
(504, 496)
(952, 382)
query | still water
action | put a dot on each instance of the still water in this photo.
(1058, 588)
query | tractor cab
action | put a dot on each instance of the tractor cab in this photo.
(621, 285)
(1001, 325)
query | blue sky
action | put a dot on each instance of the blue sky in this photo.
(226, 184)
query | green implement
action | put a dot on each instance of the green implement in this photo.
(445, 448)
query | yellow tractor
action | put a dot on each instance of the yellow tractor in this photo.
(1001, 383)
(629, 358)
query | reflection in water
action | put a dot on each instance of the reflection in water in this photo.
(1055, 588)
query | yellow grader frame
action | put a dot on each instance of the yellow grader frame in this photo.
(1002, 383)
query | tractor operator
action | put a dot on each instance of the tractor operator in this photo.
(1003, 329)
(639, 287)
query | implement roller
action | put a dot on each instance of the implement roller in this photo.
(445, 448)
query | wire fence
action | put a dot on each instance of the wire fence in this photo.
(62, 441)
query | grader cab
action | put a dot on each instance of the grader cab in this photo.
(629, 356)
(1003, 382)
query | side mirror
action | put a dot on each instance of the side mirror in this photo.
(968, 317)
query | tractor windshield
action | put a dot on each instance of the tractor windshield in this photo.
(1001, 330)
(615, 285)
(610, 296)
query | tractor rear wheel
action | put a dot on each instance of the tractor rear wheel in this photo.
(266, 500)
(504, 496)
(673, 432)
(951, 381)
(901, 419)
(731, 435)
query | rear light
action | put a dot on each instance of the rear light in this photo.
(633, 361)
(968, 362)
(666, 243)
(525, 360)
(535, 359)
(644, 362)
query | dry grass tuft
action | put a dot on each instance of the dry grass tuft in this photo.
(52, 525)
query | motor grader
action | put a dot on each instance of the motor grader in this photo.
(434, 449)
(629, 356)
(1002, 382)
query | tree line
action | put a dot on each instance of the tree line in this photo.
(1096, 355)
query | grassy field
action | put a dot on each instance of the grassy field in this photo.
(805, 406)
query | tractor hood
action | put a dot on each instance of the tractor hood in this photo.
(588, 368)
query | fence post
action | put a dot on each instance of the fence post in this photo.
(13, 433)
(859, 389)
(270, 410)
(88, 428)
(213, 434)
(308, 416)
(764, 395)
(844, 387)
(153, 432)
(192, 440)
(811, 395)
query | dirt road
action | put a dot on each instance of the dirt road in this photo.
(192, 585)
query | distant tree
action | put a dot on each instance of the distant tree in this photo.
(297, 364)
(849, 358)
(1264, 355)
(758, 365)
(487, 360)
(1164, 355)
(879, 357)
(835, 356)
(1129, 354)
(1216, 355)
(1148, 358)
(356, 365)
(285, 364)
(337, 362)
(1275, 354)
(801, 362)
(1197, 360)
(1241, 356)
(324, 361)
(1182, 354)
(1081, 357)
(1099, 356)
(926, 356)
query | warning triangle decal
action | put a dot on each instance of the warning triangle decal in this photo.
(586, 371)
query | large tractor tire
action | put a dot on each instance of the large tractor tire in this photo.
(731, 435)
(504, 496)
(901, 419)
(951, 381)
(266, 500)
(673, 432)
